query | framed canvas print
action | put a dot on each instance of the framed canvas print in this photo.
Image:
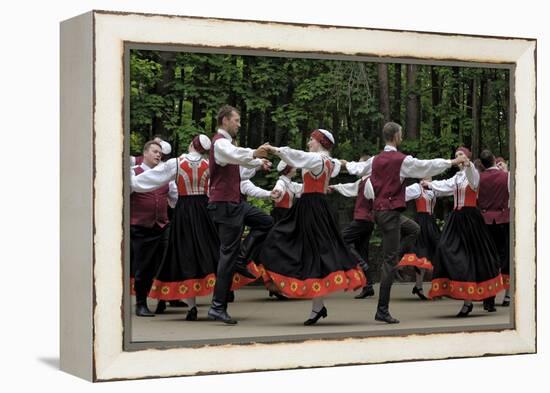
(245, 195)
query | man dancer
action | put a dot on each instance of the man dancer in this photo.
(148, 228)
(494, 202)
(387, 171)
(228, 212)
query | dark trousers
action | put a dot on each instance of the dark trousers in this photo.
(230, 220)
(356, 235)
(148, 246)
(399, 234)
(500, 233)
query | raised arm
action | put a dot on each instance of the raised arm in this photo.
(347, 189)
(418, 169)
(472, 175)
(413, 192)
(443, 187)
(300, 159)
(360, 168)
(250, 189)
(226, 153)
(154, 178)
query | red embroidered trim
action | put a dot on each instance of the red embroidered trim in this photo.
(466, 290)
(413, 260)
(183, 289)
(314, 287)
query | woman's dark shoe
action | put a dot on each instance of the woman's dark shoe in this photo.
(192, 314)
(465, 310)
(277, 295)
(318, 314)
(506, 301)
(161, 307)
(489, 304)
(419, 292)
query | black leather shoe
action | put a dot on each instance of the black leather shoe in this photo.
(161, 306)
(322, 313)
(222, 316)
(464, 313)
(192, 314)
(277, 295)
(231, 297)
(489, 305)
(365, 292)
(143, 311)
(385, 318)
(177, 303)
(419, 292)
(506, 302)
(243, 271)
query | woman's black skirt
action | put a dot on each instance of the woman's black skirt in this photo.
(466, 261)
(189, 266)
(304, 254)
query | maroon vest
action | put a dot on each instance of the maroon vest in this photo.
(225, 181)
(149, 208)
(389, 192)
(493, 197)
(363, 206)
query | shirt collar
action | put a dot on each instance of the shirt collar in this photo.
(145, 167)
(193, 156)
(492, 168)
(225, 134)
(390, 148)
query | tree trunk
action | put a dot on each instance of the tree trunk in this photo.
(456, 102)
(396, 108)
(436, 101)
(413, 108)
(476, 117)
(384, 96)
(163, 88)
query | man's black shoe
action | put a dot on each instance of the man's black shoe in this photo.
(385, 318)
(161, 306)
(365, 292)
(143, 311)
(222, 316)
(243, 271)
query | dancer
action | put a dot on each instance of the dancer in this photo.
(466, 261)
(148, 228)
(494, 202)
(304, 253)
(358, 232)
(229, 212)
(285, 191)
(423, 251)
(188, 269)
(389, 169)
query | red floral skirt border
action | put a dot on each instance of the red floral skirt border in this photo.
(314, 287)
(506, 278)
(413, 260)
(466, 290)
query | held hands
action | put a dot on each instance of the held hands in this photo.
(276, 194)
(266, 165)
(343, 163)
(426, 184)
(330, 188)
(459, 160)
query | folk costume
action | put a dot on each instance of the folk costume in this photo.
(304, 253)
(387, 171)
(230, 214)
(494, 202)
(466, 261)
(423, 251)
(149, 225)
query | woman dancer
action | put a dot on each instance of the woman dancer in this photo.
(423, 252)
(285, 191)
(304, 253)
(466, 261)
